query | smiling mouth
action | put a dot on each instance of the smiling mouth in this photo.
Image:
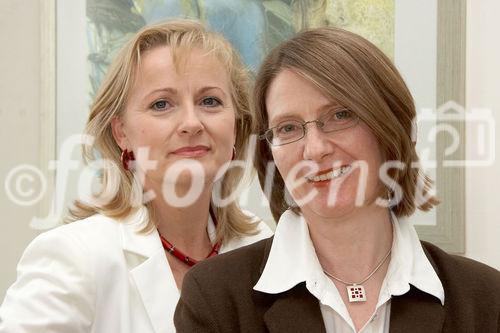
(330, 175)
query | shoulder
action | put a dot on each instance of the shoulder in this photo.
(93, 230)
(96, 238)
(58, 270)
(94, 224)
(455, 272)
(468, 268)
(217, 293)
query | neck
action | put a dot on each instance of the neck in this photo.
(185, 227)
(351, 246)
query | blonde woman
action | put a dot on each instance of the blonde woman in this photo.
(175, 98)
(336, 120)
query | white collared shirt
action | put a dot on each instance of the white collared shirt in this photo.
(293, 260)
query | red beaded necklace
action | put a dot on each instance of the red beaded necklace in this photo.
(181, 256)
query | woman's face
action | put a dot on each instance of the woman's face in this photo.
(178, 114)
(334, 163)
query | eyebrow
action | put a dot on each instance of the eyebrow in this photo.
(205, 89)
(294, 114)
(175, 91)
(167, 90)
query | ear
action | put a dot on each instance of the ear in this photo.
(118, 132)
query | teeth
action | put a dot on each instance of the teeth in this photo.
(330, 175)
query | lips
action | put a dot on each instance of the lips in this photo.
(327, 175)
(192, 151)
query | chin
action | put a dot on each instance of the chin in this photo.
(186, 179)
(336, 211)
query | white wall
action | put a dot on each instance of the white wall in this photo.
(19, 119)
(483, 91)
(19, 134)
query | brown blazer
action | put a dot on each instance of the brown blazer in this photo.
(218, 296)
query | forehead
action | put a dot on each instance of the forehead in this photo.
(290, 95)
(166, 64)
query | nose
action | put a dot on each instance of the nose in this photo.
(316, 144)
(190, 122)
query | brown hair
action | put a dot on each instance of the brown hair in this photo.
(181, 36)
(353, 72)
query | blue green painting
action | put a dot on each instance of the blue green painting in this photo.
(252, 26)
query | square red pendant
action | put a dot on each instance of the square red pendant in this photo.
(356, 293)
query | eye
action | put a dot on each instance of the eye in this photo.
(160, 105)
(337, 116)
(338, 119)
(211, 102)
(343, 114)
(288, 128)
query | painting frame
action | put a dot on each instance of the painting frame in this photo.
(449, 230)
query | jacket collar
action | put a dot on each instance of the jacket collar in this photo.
(416, 311)
(419, 307)
(296, 309)
(149, 270)
(133, 241)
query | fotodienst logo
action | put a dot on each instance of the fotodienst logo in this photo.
(441, 134)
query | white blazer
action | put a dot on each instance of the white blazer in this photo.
(97, 275)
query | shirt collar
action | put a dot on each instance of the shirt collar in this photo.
(293, 260)
(409, 265)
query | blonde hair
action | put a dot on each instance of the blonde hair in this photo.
(181, 36)
(353, 72)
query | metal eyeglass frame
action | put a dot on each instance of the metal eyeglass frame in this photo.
(320, 124)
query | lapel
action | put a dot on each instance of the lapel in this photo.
(417, 311)
(298, 311)
(295, 311)
(151, 273)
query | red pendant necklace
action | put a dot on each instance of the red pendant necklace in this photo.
(181, 256)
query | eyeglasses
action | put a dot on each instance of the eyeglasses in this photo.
(293, 130)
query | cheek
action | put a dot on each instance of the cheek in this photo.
(224, 129)
(143, 129)
(374, 161)
(284, 161)
(225, 118)
(222, 132)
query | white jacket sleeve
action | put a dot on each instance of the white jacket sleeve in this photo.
(55, 289)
